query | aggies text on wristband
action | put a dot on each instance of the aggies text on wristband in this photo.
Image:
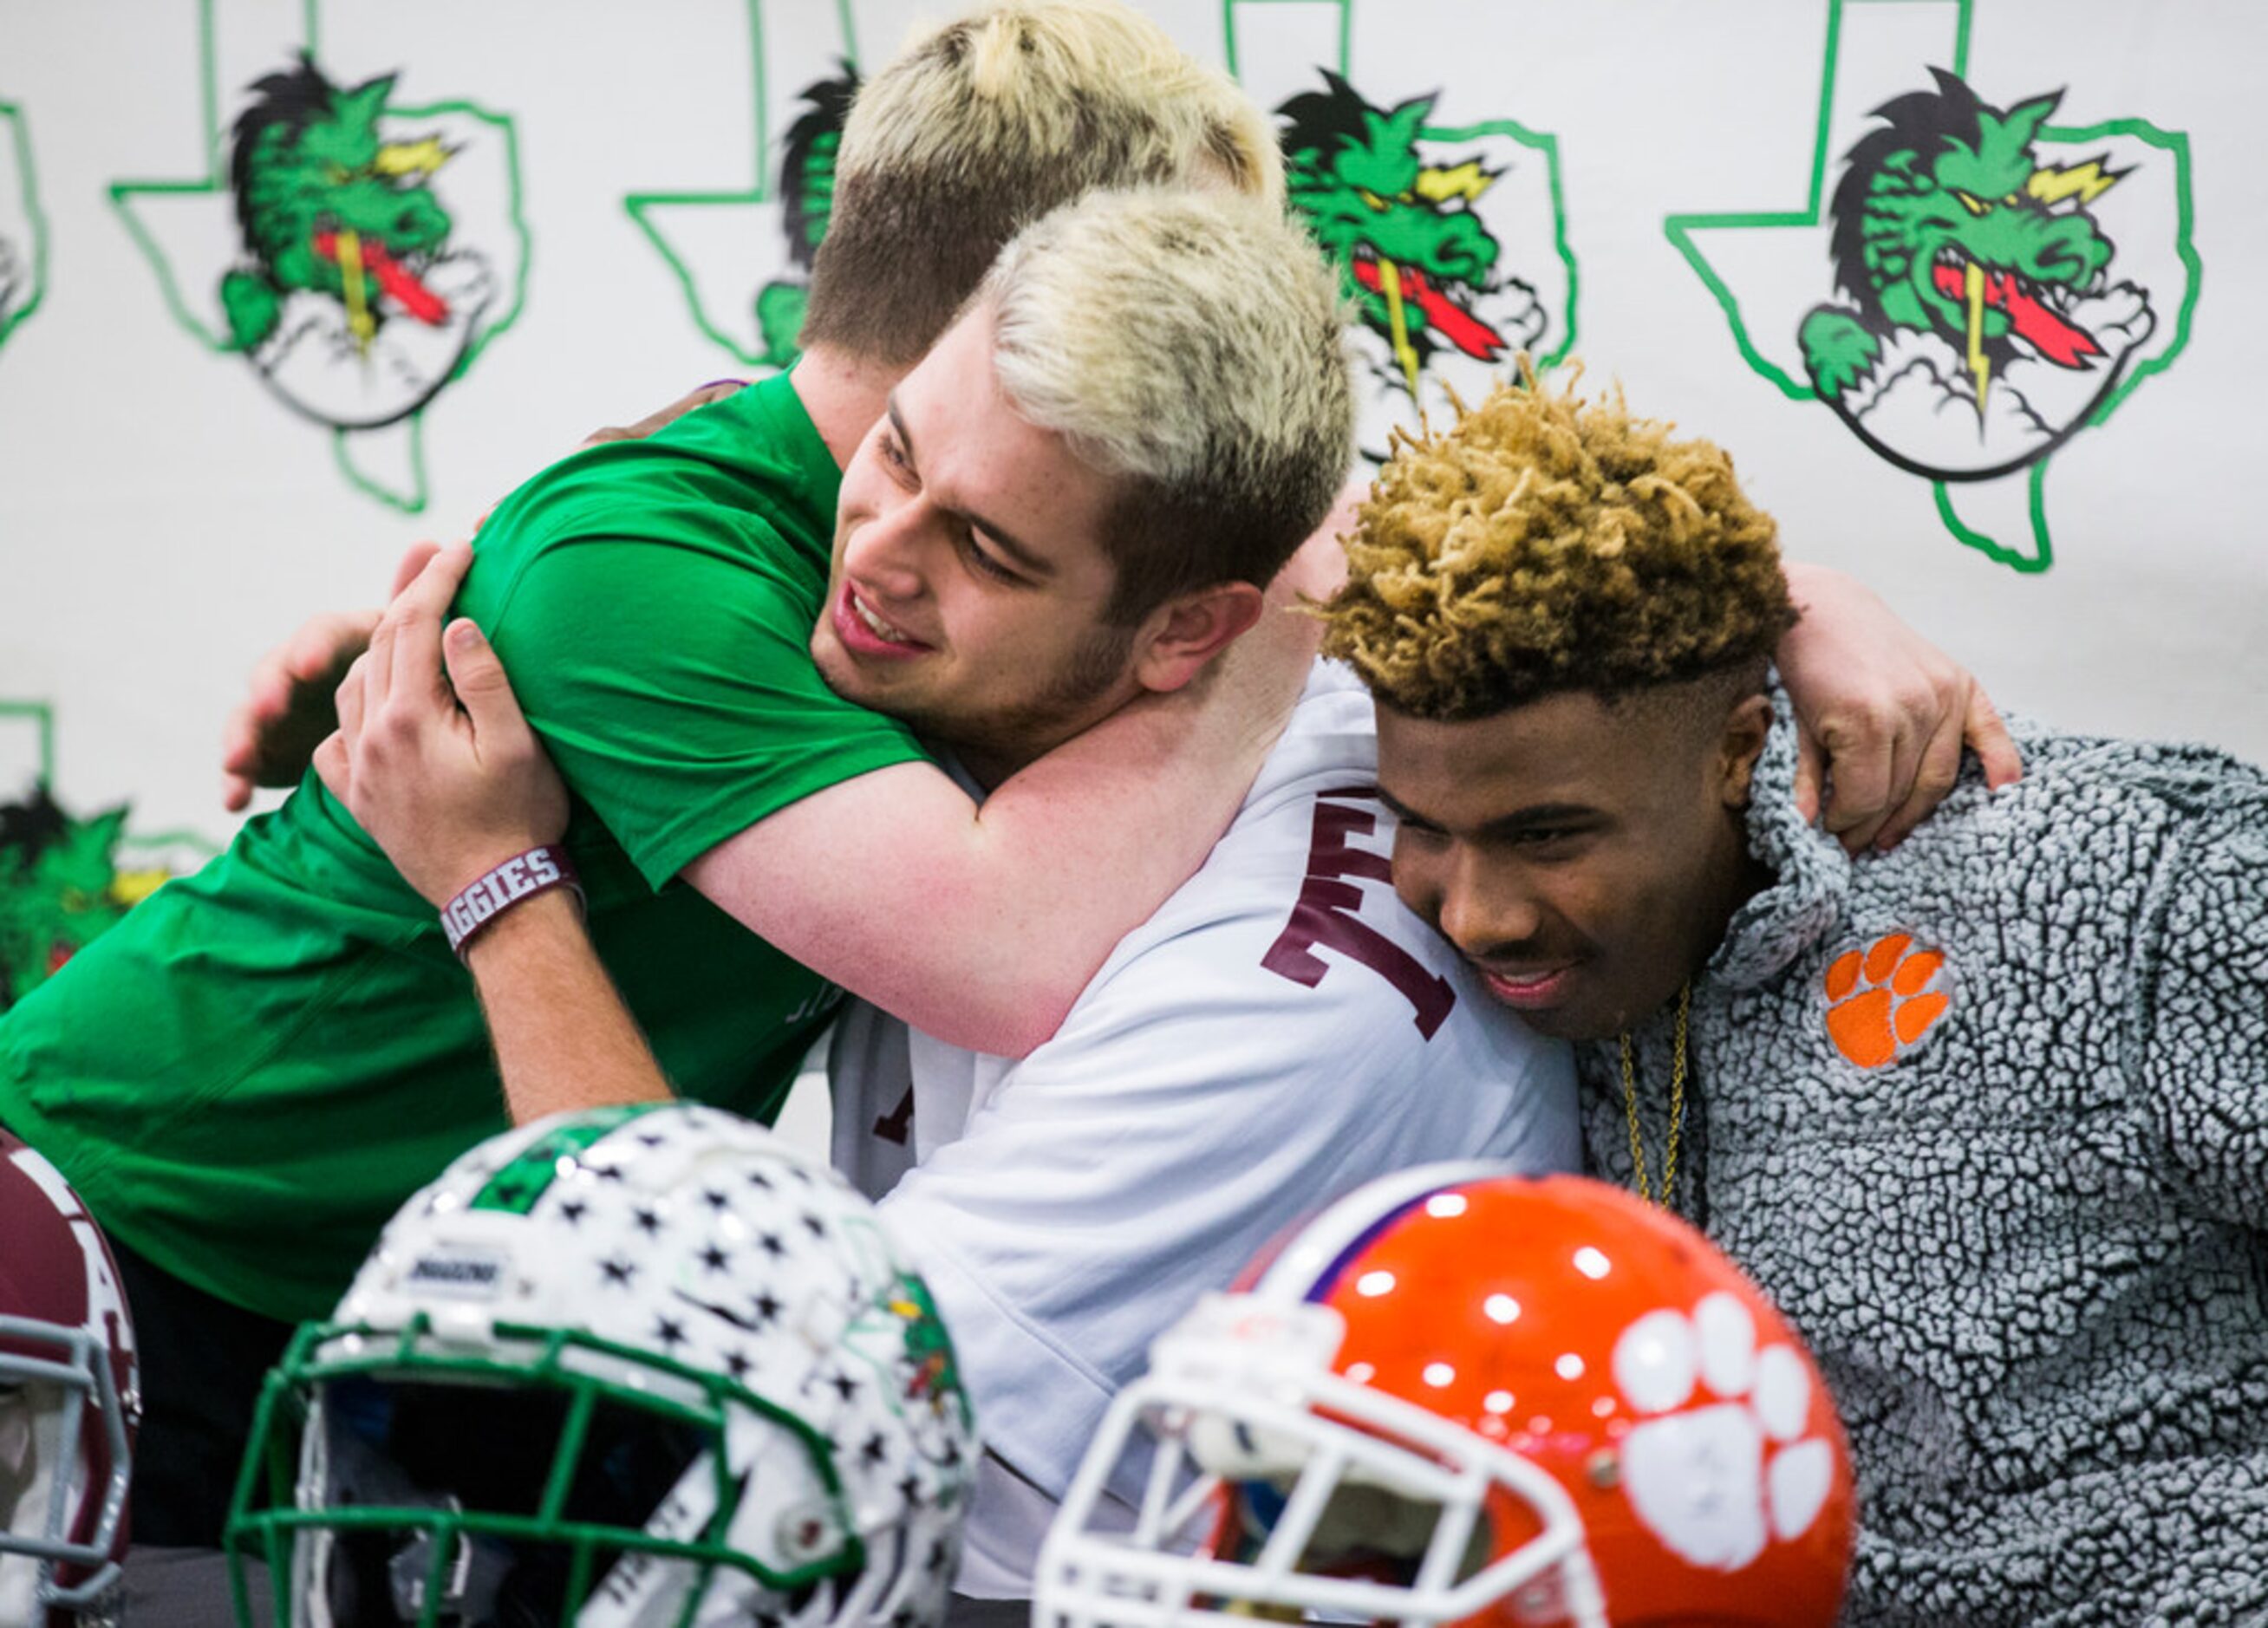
(520, 877)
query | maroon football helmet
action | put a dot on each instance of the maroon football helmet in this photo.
(69, 1401)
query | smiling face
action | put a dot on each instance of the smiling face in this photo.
(1585, 857)
(970, 581)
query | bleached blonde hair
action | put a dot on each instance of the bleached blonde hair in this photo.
(1192, 345)
(987, 123)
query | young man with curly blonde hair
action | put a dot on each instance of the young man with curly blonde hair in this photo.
(1987, 1116)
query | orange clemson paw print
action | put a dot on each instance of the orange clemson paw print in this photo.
(1897, 1006)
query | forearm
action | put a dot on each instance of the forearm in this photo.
(1079, 848)
(563, 1038)
(1086, 844)
(982, 925)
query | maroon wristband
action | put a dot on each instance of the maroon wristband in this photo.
(515, 881)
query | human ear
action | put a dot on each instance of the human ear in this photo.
(1746, 729)
(1178, 639)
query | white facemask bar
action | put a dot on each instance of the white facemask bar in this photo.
(84, 1368)
(1088, 1578)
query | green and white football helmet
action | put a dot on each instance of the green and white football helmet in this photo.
(619, 1369)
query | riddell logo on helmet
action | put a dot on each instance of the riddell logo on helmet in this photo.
(466, 1277)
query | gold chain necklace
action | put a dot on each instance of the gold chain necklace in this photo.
(1676, 1108)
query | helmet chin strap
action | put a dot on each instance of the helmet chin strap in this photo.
(30, 1447)
(642, 1588)
(19, 1589)
(17, 1463)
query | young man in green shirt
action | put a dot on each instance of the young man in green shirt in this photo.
(249, 1075)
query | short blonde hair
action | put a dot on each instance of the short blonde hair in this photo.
(1192, 345)
(989, 122)
(1545, 544)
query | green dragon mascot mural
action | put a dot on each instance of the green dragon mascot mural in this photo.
(349, 254)
(327, 206)
(1413, 254)
(1983, 327)
(806, 192)
(60, 888)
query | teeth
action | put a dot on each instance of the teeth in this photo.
(880, 628)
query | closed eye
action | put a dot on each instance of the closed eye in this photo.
(893, 454)
(984, 564)
(1548, 842)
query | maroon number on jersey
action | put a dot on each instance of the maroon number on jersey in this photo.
(1327, 915)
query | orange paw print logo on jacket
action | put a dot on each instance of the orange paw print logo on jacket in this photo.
(1882, 1000)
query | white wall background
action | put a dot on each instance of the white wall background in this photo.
(163, 518)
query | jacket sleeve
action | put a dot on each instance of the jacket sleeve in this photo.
(2203, 1006)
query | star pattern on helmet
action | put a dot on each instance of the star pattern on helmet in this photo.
(715, 1248)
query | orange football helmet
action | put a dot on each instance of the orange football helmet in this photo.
(1462, 1395)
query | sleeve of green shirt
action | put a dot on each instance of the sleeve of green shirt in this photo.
(671, 677)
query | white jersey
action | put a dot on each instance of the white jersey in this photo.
(1279, 1033)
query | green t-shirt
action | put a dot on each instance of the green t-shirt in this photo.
(247, 1076)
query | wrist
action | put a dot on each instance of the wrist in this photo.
(505, 888)
(552, 918)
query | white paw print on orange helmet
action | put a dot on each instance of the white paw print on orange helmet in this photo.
(1461, 1396)
(1721, 1460)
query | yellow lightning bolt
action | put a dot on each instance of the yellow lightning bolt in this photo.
(410, 157)
(1468, 181)
(360, 323)
(1979, 364)
(1390, 284)
(2086, 181)
(130, 887)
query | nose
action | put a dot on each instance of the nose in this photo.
(884, 552)
(1484, 906)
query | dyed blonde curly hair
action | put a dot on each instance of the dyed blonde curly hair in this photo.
(1545, 544)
